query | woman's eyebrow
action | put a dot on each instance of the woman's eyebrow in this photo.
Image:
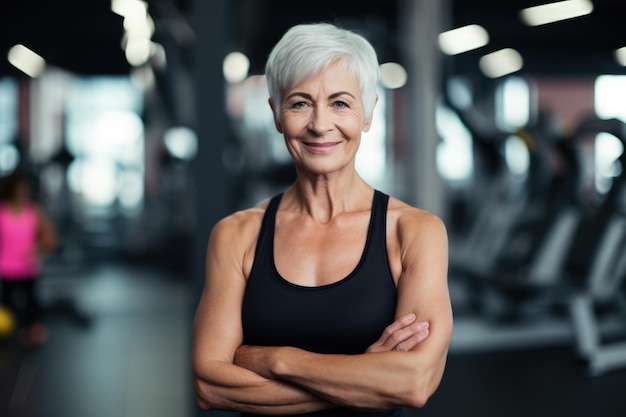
(309, 97)
(299, 94)
(341, 93)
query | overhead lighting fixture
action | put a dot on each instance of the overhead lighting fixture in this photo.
(620, 56)
(138, 51)
(27, 61)
(138, 30)
(500, 63)
(235, 67)
(463, 39)
(127, 8)
(392, 75)
(554, 12)
(181, 142)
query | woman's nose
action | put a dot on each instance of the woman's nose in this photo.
(321, 120)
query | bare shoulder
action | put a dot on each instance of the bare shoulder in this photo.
(409, 223)
(233, 239)
(240, 225)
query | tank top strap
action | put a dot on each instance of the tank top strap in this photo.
(379, 221)
(265, 240)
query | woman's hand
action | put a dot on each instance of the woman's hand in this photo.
(255, 359)
(401, 335)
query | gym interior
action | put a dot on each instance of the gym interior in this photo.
(144, 122)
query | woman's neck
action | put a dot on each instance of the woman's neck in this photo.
(16, 206)
(326, 198)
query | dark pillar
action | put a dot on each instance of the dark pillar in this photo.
(422, 21)
(212, 182)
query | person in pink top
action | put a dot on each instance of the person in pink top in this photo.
(26, 234)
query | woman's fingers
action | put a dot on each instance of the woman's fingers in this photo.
(403, 334)
(413, 340)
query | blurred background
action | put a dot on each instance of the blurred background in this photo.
(144, 122)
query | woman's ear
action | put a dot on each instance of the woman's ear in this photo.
(368, 122)
(276, 121)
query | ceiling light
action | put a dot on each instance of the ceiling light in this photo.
(620, 55)
(139, 25)
(138, 51)
(500, 63)
(181, 142)
(554, 12)
(128, 7)
(392, 75)
(26, 61)
(463, 39)
(235, 67)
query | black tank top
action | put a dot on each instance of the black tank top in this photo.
(344, 317)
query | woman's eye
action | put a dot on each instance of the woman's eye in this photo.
(341, 104)
(298, 105)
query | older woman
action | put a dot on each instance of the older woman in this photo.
(331, 298)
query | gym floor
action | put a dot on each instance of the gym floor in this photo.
(119, 346)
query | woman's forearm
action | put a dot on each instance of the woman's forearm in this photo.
(370, 381)
(367, 381)
(400, 368)
(223, 386)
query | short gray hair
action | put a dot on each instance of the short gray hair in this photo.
(306, 49)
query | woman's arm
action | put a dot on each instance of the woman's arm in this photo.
(219, 383)
(388, 378)
(47, 240)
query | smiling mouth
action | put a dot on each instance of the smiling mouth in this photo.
(321, 147)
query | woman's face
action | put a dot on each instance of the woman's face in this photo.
(322, 120)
